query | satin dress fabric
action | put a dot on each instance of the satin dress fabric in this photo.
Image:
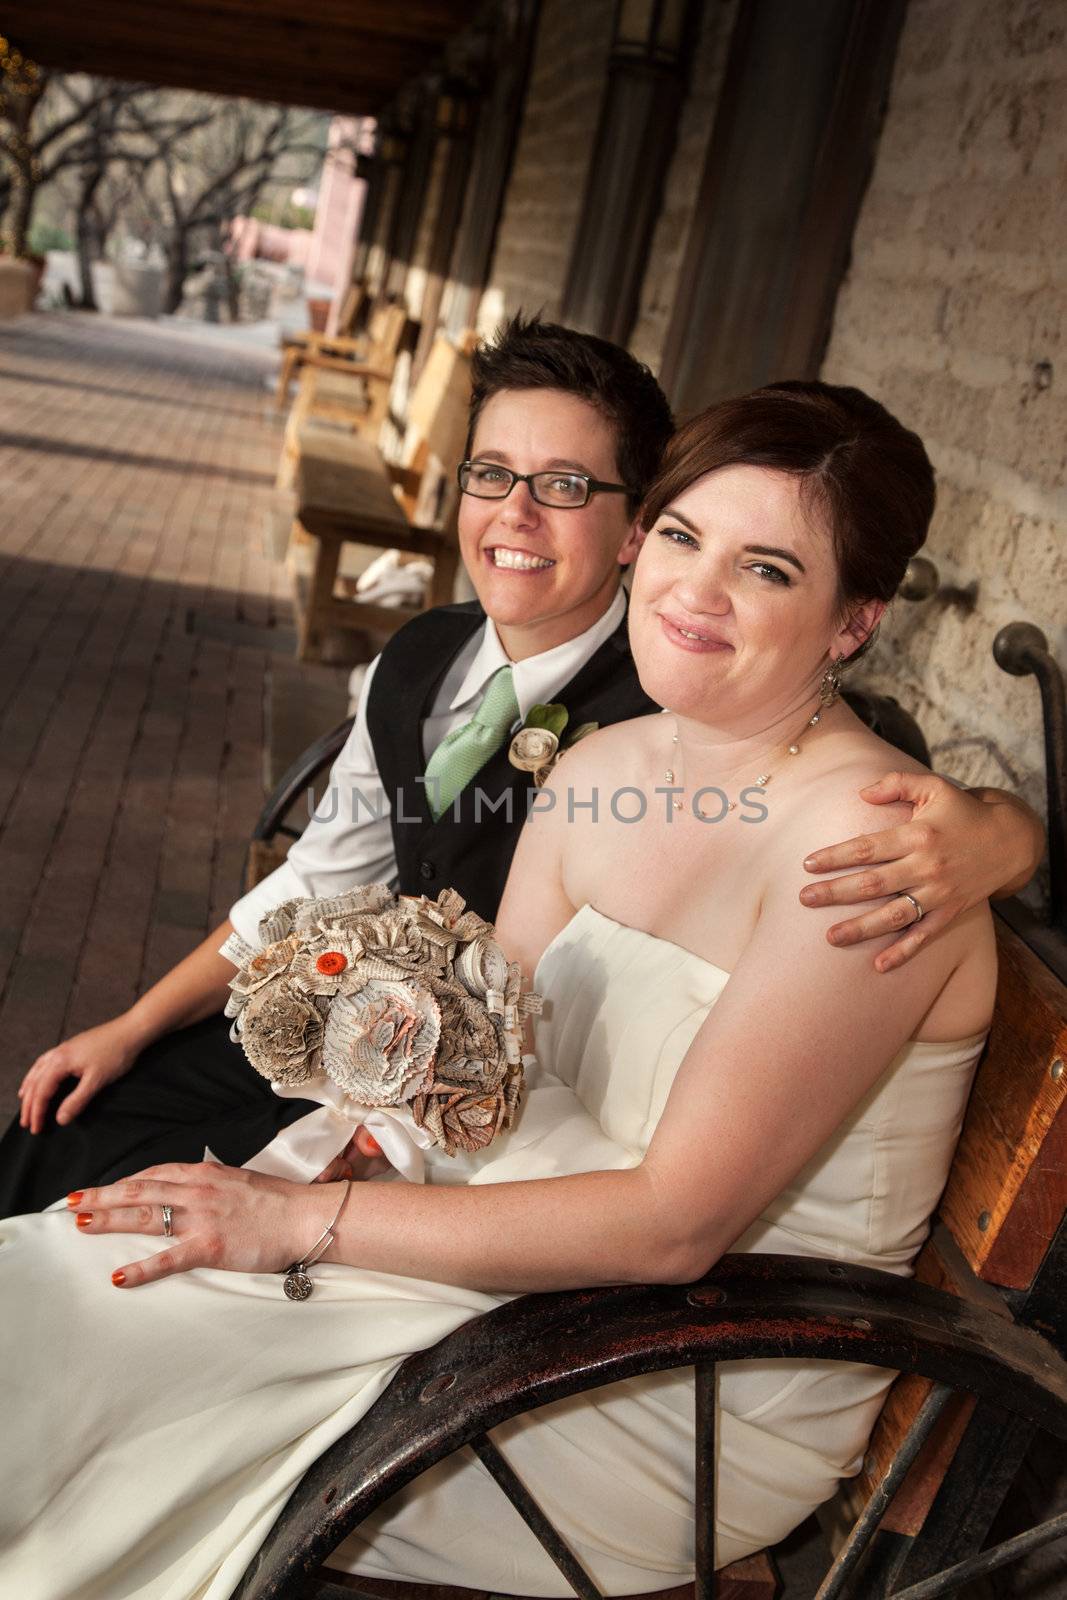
(152, 1436)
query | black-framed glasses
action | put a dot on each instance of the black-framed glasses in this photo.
(565, 490)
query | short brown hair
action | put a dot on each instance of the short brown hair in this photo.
(869, 474)
(530, 354)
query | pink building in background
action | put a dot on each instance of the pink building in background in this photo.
(252, 240)
(339, 210)
(325, 251)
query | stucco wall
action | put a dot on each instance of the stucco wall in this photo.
(555, 147)
(953, 314)
(552, 158)
(683, 181)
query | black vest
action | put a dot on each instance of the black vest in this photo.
(470, 851)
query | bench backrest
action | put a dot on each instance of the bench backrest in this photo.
(1004, 1199)
(437, 427)
(385, 330)
(1007, 1189)
(350, 307)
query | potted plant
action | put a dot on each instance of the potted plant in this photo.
(20, 280)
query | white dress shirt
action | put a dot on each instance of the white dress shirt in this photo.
(349, 841)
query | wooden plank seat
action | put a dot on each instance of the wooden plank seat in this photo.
(336, 386)
(344, 493)
(754, 1578)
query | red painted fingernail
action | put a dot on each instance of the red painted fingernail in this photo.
(75, 1198)
(373, 1147)
(118, 1277)
(84, 1218)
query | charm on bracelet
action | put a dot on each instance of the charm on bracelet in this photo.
(298, 1284)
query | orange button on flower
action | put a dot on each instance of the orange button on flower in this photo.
(331, 962)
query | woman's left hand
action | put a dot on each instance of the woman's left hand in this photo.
(221, 1217)
(959, 848)
(361, 1158)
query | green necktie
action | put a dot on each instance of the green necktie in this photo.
(465, 751)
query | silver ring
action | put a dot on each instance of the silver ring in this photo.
(168, 1216)
(919, 912)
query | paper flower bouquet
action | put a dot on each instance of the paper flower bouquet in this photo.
(369, 1001)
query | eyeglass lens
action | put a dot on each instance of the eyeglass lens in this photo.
(490, 482)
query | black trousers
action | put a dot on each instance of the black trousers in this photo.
(189, 1089)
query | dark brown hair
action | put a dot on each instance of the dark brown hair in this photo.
(530, 354)
(870, 476)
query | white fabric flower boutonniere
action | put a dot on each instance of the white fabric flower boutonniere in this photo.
(538, 744)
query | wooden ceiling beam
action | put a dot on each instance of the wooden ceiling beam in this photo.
(325, 54)
(424, 21)
(356, 96)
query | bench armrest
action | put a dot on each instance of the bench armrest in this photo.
(325, 523)
(300, 776)
(352, 369)
(405, 478)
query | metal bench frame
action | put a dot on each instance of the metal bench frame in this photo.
(545, 1347)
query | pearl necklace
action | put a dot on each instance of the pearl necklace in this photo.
(762, 780)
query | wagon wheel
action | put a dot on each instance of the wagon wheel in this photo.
(545, 1347)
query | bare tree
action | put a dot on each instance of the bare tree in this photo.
(47, 123)
(121, 140)
(51, 125)
(207, 176)
(189, 163)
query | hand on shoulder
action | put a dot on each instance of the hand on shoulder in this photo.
(957, 938)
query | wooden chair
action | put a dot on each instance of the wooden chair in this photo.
(341, 389)
(345, 492)
(296, 347)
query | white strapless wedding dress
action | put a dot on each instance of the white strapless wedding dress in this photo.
(151, 1437)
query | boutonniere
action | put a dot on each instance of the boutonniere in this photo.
(538, 744)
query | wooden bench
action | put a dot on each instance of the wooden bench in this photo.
(352, 393)
(345, 492)
(297, 347)
(999, 1242)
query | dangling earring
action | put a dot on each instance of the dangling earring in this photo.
(830, 686)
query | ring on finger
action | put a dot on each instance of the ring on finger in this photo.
(168, 1222)
(919, 912)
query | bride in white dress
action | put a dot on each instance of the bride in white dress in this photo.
(712, 1076)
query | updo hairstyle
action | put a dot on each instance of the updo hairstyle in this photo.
(867, 474)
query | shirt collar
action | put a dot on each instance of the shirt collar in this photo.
(539, 677)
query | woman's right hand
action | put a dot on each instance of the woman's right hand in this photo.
(95, 1057)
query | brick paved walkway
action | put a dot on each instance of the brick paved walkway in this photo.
(134, 466)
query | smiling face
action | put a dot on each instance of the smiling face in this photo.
(734, 607)
(543, 573)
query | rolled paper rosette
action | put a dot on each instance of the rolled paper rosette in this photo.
(399, 1011)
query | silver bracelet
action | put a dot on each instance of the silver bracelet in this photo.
(298, 1284)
